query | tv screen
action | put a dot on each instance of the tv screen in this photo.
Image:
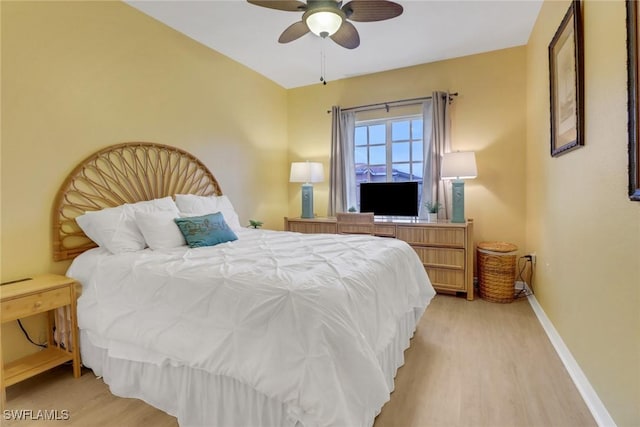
(389, 198)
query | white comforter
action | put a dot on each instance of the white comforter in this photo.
(298, 317)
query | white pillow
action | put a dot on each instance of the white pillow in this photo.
(191, 204)
(115, 229)
(160, 230)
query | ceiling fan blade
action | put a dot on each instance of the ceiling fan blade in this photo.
(293, 32)
(371, 10)
(347, 36)
(287, 5)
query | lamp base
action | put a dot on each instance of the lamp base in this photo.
(457, 192)
(307, 201)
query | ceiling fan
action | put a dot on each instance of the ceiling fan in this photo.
(329, 18)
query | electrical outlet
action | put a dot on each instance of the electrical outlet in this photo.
(531, 257)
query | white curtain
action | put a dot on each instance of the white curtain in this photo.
(437, 114)
(342, 175)
(427, 108)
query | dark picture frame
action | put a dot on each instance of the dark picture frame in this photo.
(632, 66)
(566, 83)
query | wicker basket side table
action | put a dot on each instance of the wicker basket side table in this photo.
(497, 271)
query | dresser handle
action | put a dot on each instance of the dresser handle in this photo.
(38, 304)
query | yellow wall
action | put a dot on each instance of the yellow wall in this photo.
(79, 76)
(579, 220)
(487, 117)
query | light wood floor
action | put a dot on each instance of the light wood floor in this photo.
(470, 364)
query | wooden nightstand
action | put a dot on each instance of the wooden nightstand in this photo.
(40, 294)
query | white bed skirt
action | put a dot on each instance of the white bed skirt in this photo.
(199, 398)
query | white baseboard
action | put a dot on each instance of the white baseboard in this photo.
(593, 402)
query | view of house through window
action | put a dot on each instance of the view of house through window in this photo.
(389, 150)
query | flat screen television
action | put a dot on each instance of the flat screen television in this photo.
(389, 198)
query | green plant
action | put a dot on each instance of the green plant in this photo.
(433, 207)
(352, 209)
(255, 224)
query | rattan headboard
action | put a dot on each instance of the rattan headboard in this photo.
(123, 173)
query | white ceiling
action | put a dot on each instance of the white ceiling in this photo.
(427, 31)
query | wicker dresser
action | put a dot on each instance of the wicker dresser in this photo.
(445, 248)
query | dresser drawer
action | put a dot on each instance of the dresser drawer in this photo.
(446, 279)
(385, 230)
(444, 248)
(37, 303)
(436, 236)
(441, 257)
(313, 227)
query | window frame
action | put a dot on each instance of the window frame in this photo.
(388, 144)
(388, 123)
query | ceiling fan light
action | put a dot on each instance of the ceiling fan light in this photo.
(324, 23)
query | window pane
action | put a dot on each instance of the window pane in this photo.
(377, 134)
(389, 150)
(362, 174)
(361, 136)
(377, 155)
(400, 152)
(400, 131)
(416, 129)
(401, 172)
(416, 146)
(361, 155)
(417, 170)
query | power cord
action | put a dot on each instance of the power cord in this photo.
(26, 334)
(523, 262)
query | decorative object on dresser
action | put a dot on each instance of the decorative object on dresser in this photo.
(354, 223)
(445, 248)
(307, 173)
(458, 166)
(432, 210)
(41, 294)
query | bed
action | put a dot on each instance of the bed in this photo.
(269, 328)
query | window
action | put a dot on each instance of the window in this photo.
(389, 150)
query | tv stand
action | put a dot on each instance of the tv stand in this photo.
(445, 248)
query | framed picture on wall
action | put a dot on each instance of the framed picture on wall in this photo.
(632, 66)
(566, 83)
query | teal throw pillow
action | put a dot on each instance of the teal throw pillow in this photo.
(205, 230)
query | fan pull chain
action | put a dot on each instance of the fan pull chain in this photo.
(323, 65)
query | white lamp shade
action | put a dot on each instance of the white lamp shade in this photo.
(324, 23)
(306, 172)
(459, 165)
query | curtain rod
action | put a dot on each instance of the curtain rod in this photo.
(387, 105)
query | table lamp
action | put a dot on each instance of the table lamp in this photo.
(458, 166)
(307, 173)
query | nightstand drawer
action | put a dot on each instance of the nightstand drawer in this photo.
(37, 303)
(446, 279)
(441, 257)
(436, 236)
